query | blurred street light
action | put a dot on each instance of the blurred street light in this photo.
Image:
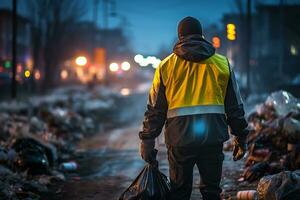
(138, 58)
(7, 64)
(216, 41)
(125, 66)
(144, 62)
(27, 73)
(19, 68)
(114, 67)
(125, 91)
(156, 63)
(92, 69)
(64, 74)
(231, 33)
(294, 51)
(29, 64)
(37, 75)
(151, 59)
(81, 60)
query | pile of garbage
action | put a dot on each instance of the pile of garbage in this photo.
(274, 139)
(38, 138)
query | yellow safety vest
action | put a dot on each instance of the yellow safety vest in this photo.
(190, 87)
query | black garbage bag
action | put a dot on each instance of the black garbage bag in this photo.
(31, 156)
(150, 184)
(292, 159)
(33, 160)
(281, 186)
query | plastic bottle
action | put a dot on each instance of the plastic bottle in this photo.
(247, 195)
(68, 166)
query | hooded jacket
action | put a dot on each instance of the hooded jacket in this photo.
(195, 96)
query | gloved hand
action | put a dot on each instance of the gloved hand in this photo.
(147, 150)
(240, 148)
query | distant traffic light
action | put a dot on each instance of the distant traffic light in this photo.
(7, 64)
(27, 74)
(231, 32)
(216, 41)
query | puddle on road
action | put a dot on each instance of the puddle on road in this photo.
(102, 163)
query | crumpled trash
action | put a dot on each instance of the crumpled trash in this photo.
(33, 156)
(37, 125)
(247, 195)
(283, 102)
(256, 171)
(54, 123)
(150, 184)
(274, 129)
(291, 127)
(68, 166)
(292, 159)
(5, 171)
(3, 156)
(281, 186)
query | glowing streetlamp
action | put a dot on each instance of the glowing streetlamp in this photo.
(216, 41)
(125, 66)
(64, 74)
(81, 60)
(156, 63)
(19, 68)
(37, 75)
(114, 67)
(27, 74)
(125, 91)
(138, 58)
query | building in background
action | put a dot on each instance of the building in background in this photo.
(100, 46)
(80, 39)
(23, 40)
(275, 45)
(277, 39)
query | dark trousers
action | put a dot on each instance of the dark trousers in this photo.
(209, 161)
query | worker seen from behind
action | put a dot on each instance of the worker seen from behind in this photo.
(195, 96)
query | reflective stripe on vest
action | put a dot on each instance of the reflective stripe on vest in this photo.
(193, 110)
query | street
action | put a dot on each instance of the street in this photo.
(87, 86)
(108, 163)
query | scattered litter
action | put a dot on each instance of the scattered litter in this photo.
(68, 166)
(38, 137)
(281, 186)
(247, 195)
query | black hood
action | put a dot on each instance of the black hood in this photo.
(193, 48)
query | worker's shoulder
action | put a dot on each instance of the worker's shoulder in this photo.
(165, 61)
(220, 57)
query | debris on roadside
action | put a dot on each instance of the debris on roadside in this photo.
(274, 137)
(247, 195)
(38, 138)
(68, 166)
(284, 185)
(273, 157)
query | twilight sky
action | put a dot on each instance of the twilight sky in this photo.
(152, 24)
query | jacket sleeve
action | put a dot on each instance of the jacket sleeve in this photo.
(234, 108)
(157, 107)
